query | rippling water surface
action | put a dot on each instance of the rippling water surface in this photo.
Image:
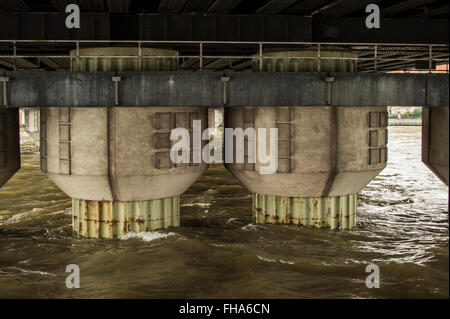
(219, 253)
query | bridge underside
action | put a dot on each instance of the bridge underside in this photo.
(245, 23)
(136, 70)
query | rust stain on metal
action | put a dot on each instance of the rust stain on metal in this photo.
(100, 222)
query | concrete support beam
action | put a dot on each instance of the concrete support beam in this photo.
(86, 89)
(435, 143)
(9, 143)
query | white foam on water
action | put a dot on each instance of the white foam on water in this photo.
(32, 272)
(275, 260)
(251, 227)
(285, 262)
(202, 205)
(147, 236)
(233, 219)
(266, 259)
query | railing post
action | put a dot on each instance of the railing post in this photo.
(139, 56)
(260, 57)
(375, 55)
(201, 55)
(78, 54)
(4, 80)
(318, 57)
(116, 79)
(430, 62)
(15, 53)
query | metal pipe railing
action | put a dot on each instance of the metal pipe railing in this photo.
(373, 49)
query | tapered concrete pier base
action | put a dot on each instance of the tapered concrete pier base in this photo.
(321, 212)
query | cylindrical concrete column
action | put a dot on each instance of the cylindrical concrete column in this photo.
(435, 142)
(9, 143)
(325, 154)
(114, 161)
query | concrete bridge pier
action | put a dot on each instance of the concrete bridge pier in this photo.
(9, 143)
(326, 155)
(435, 141)
(114, 162)
(31, 123)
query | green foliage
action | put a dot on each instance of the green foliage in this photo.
(417, 113)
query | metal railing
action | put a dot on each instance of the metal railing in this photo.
(404, 122)
(371, 57)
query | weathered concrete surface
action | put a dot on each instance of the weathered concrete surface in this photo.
(9, 143)
(103, 59)
(108, 154)
(322, 151)
(435, 141)
(87, 89)
(288, 61)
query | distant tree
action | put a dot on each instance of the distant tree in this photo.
(417, 113)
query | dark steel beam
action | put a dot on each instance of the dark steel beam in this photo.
(435, 12)
(14, 5)
(190, 63)
(403, 6)
(51, 26)
(91, 89)
(306, 7)
(176, 27)
(341, 8)
(223, 6)
(399, 31)
(6, 64)
(243, 65)
(61, 5)
(171, 6)
(119, 6)
(220, 64)
(275, 6)
(197, 6)
(225, 28)
(92, 5)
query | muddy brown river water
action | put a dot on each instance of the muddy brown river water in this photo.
(219, 253)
